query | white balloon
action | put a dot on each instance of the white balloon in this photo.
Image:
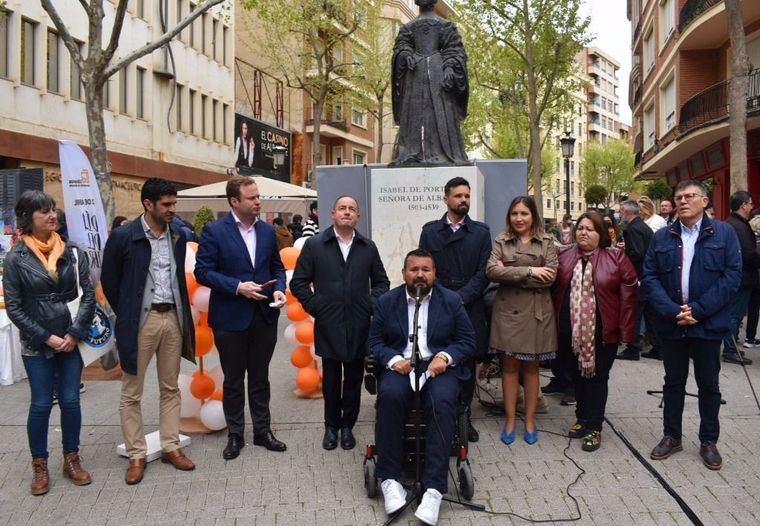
(290, 334)
(300, 242)
(288, 277)
(212, 415)
(201, 298)
(189, 260)
(196, 314)
(189, 405)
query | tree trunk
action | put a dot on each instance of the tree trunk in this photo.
(737, 96)
(535, 145)
(380, 129)
(93, 96)
(316, 147)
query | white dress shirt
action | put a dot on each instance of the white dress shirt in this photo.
(454, 226)
(345, 248)
(422, 334)
(249, 238)
(689, 238)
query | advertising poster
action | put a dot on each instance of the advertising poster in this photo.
(255, 145)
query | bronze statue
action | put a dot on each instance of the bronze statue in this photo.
(430, 91)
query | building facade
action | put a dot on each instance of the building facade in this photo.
(167, 115)
(681, 70)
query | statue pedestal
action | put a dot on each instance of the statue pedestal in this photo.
(395, 203)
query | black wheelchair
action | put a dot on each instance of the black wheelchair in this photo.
(459, 446)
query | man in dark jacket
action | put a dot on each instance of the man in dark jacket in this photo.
(741, 209)
(637, 236)
(143, 277)
(692, 271)
(460, 248)
(348, 277)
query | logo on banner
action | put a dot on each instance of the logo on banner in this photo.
(83, 181)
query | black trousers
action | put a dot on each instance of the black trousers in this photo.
(753, 314)
(644, 310)
(706, 356)
(342, 389)
(247, 351)
(591, 393)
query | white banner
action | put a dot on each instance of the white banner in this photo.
(85, 218)
(86, 225)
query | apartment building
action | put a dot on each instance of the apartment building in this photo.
(163, 118)
(681, 70)
(595, 118)
(348, 133)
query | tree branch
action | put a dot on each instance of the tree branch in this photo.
(163, 39)
(86, 7)
(63, 31)
(118, 23)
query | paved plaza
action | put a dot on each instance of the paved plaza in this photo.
(310, 486)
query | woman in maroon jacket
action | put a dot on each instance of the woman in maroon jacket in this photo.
(595, 302)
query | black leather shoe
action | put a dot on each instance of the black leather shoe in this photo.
(330, 440)
(666, 447)
(628, 354)
(472, 433)
(653, 355)
(234, 444)
(347, 440)
(268, 441)
(736, 358)
(710, 456)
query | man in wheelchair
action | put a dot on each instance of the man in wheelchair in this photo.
(445, 339)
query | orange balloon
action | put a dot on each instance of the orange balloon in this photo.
(202, 386)
(307, 380)
(202, 319)
(204, 340)
(305, 332)
(289, 297)
(301, 356)
(192, 245)
(296, 312)
(289, 256)
(192, 284)
(218, 395)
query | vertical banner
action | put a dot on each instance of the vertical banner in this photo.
(86, 225)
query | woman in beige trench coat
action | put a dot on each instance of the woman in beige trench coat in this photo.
(524, 264)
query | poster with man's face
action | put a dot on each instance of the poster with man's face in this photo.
(255, 144)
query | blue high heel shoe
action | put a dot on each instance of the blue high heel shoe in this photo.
(507, 437)
(531, 437)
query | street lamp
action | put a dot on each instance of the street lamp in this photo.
(568, 145)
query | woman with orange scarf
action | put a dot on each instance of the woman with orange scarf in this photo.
(40, 279)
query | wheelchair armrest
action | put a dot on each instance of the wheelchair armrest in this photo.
(370, 378)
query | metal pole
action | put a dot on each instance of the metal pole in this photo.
(567, 185)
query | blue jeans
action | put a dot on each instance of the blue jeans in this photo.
(738, 310)
(41, 372)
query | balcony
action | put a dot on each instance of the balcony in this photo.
(692, 9)
(711, 105)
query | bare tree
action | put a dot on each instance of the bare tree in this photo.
(99, 65)
(737, 95)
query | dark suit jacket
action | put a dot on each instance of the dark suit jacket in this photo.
(460, 265)
(223, 262)
(344, 295)
(750, 256)
(637, 236)
(126, 262)
(449, 328)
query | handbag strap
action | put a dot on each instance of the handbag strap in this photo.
(76, 267)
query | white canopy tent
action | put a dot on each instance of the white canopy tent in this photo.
(276, 197)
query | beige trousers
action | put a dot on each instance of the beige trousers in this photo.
(159, 336)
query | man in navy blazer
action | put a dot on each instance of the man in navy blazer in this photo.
(446, 340)
(239, 260)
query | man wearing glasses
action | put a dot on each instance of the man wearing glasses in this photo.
(692, 271)
(741, 209)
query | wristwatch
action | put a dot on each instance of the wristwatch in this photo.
(443, 357)
(530, 271)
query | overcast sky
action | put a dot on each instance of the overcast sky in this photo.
(611, 32)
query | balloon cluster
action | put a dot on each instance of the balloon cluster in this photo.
(300, 332)
(202, 392)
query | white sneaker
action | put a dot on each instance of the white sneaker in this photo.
(394, 495)
(427, 511)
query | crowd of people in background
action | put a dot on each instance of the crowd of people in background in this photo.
(678, 283)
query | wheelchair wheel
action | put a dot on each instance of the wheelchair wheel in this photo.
(466, 483)
(370, 480)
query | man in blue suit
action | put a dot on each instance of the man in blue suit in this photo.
(238, 259)
(446, 340)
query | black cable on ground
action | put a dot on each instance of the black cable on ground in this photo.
(667, 487)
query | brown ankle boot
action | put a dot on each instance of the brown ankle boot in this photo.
(40, 477)
(72, 469)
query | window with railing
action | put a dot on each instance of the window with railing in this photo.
(649, 127)
(668, 104)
